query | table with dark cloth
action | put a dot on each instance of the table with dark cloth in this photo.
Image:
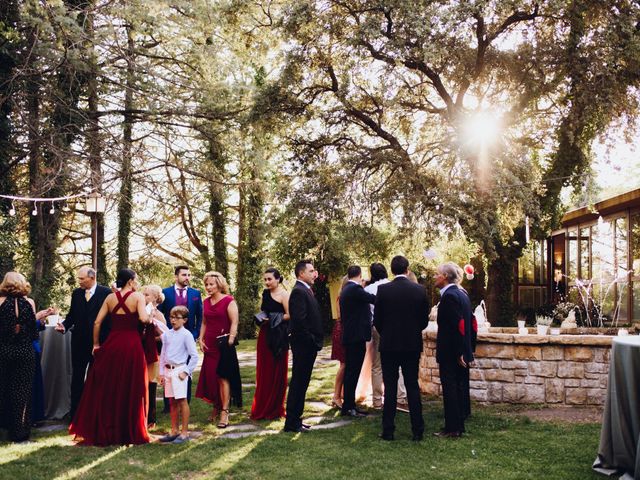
(56, 372)
(619, 450)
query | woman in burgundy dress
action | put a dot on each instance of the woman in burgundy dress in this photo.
(219, 319)
(113, 406)
(337, 352)
(271, 370)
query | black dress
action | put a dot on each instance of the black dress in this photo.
(17, 366)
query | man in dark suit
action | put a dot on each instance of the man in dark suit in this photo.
(86, 302)
(453, 346)
(355, 311)
(180, 293)
(306, 339)
(401, 313)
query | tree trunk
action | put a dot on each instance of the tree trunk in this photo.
(94, 147)
(250, 247)
(126, 196)
(8, 241)
(217, 211)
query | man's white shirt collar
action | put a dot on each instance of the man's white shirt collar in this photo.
(304, 283)
(92, 290)
(444, 289)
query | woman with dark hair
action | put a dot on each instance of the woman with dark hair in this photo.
(272, 350)
(113, 407)
(17, 355)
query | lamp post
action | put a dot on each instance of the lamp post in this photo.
(95, 204)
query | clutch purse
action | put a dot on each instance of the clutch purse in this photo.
(260, 317)
(223, 340)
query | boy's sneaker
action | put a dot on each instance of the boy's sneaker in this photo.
(180, 439)
(168, 438)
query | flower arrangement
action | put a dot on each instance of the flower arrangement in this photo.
(562, 310)
(542, 320)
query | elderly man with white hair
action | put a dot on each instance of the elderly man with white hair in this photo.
(453, 346)
(85, 305)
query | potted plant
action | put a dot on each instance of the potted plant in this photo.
(542, 324)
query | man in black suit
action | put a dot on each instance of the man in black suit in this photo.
(401, 313)
(355, 311)
(86, 302)
(453, 346)
(306, 339)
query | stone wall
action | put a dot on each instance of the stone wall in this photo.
(549, 369)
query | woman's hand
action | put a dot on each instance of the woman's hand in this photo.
(95, 349)
(182, 375)
(203, 345)
(231, 339)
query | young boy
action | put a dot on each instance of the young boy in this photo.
(178, 347)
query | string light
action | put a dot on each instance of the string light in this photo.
(35, 200)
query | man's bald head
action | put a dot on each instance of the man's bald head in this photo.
(86, 277)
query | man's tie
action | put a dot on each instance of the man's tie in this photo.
(87, 295)
(181, 291)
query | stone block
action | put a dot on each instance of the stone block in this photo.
(431, 389)
(554, 391)
(479, 395)
(585, 383)
(601, 355)
(507, 364)
(552, 352)
(572, 382)
(596, 396)
(475, 374)
(499, 375)
(430, 362)
(534, 393)
(478, 385)
(593, 367)
(487, 363)
(593, 376)
(527, 352)
(578, 354)
(575, 396)
(531, 380)
(571, 370)
(514, 393)
(543, 369)
(494, 392)
(494, 350)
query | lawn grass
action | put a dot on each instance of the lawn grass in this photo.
(500, 444)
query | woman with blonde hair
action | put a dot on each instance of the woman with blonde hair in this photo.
(17, 356)
(153, 297)
(217, 338)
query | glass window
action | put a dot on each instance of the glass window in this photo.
(621, 249)
(572, 254)
(533, 263)
(602, 260)
(583, 241)
(634, 249)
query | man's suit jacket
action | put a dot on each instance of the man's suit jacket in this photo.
(82, 315)
(194, 304)
(305, 319)
(355, 313)
(454, 326)
(401, 313)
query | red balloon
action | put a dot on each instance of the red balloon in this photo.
(468, 269)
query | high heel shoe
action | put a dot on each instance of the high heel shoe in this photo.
(336, 403)
(224, 424)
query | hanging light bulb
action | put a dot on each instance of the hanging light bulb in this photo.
(34, 212)
(12, 211)
(65, 207)
(52, 210)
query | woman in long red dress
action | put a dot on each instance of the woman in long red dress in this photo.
(271, 370)
(219, 319)
(337, 352)
(113, 406)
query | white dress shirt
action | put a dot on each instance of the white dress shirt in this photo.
(178, 346)
(373, 289)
